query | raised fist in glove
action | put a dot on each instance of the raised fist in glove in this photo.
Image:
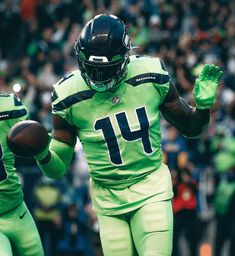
(205, 87)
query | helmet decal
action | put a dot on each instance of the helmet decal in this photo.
(98, 58)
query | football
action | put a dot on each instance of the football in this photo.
(27, 138)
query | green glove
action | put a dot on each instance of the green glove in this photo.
(205, 87)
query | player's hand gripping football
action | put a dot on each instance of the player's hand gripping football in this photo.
(205, 87)
(29, 139)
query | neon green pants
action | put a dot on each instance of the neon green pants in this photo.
(147, 231)
(18, 234)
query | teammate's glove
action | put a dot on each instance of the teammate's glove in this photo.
(205, 87)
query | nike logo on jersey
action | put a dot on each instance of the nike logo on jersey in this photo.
(22, 216)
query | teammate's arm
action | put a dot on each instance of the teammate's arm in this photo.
(55, 160)
(192, 121)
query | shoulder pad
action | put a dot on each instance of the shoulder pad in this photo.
(70, 90)
(145, 69)
(11, 107)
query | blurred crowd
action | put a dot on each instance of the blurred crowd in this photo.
(36, 50)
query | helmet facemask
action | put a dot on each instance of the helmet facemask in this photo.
(103, 76)
(103, 50)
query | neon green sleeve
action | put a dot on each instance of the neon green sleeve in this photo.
(58, 160)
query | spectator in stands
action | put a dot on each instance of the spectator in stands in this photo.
(225, 213)
(74, 233)
(47, 214)
(225, 196)
(174, 149)
(185, 214)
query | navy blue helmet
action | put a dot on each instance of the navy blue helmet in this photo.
(102, 50)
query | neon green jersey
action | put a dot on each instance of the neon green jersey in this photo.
(119, 129)
(11, 112)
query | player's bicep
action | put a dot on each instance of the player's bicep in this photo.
(63, 131)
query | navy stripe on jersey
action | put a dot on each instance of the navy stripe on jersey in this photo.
(54, 96)
(17, 101)
(73, 99)
(13, 114)
(162, 65)
(5, 95)
(148, 78)
(65, 78)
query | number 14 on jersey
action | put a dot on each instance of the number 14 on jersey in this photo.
(105, 125)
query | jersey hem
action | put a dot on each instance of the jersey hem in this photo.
(153, 199)
(11, 209)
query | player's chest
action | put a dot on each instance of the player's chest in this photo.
(117, 111)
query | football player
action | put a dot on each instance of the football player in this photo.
(113, 105)
(18, 232)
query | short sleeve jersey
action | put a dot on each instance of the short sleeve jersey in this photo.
(119, 129)
(11, 112)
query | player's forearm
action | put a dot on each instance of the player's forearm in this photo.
(57, 161)
(191, 122)
(188, 120)
(55, 168)
(197, 123)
